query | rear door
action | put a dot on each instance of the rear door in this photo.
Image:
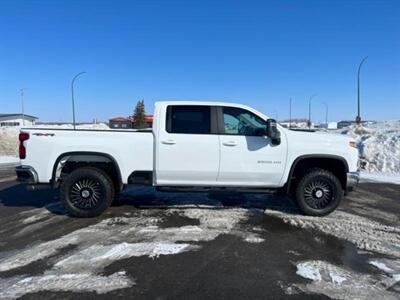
(248, 158)
(187, 146)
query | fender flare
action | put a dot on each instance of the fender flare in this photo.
(93, 153)
(308, 156)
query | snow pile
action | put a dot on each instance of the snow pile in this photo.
(97, 126)
(379, 146)
(9, 135)
(9, 141)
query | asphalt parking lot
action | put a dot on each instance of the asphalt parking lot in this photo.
(154, 245)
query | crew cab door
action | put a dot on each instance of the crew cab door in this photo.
(187, 146)
(248, 158)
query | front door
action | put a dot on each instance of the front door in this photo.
(188, 147)
(248, 158)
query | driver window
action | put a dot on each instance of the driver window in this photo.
(238, 121)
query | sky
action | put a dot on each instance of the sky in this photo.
(260, 53)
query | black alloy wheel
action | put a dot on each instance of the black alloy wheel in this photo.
(319, 192)
(87, 192)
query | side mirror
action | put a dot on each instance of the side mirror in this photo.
(273, 132)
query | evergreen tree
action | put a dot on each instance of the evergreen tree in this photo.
(139, 121)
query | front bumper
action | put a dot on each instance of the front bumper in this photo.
(26, 174)
(352, 180)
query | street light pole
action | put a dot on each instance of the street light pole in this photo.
(290, 113)
(22, 106)
(358, 118)
(73, 100)
(309, 110)
(326, 114)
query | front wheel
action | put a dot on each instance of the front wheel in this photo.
(319, 192)
(87, 192)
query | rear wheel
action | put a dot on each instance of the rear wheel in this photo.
(87, 192)
(319, 192)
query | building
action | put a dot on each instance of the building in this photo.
(120, 123)
(126, 123)
(17, 120)
(149, 120)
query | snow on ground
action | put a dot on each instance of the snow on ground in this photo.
(336, 281)
(63, 282)
(362, 232)
(97, 246)
(379, 177)
(340, 283)
(9, 160)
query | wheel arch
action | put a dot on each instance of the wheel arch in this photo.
(85, 157)
(324, 161)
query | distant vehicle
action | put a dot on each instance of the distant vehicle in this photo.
(343, 124)
(193, 146)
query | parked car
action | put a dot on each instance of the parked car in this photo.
(202, 146)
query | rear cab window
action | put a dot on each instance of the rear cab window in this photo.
(188, 119)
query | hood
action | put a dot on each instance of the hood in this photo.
(319, 137)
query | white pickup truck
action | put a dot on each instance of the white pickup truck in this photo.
(193, 146)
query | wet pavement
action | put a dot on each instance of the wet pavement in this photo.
(158, 245)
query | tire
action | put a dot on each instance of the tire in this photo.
(87, 192)
(318, 193)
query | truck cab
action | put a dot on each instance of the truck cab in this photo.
(215, 145)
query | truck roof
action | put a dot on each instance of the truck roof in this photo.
(211, 103)
(198, 102)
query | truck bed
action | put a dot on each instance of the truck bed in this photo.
(131, 149)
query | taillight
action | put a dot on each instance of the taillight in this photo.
(23, 136)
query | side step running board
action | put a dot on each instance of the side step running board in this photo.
(177, 189)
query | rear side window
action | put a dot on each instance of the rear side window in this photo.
(190, 119)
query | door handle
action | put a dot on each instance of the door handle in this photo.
(169, 142)
(230, 143)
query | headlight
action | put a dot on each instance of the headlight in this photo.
(353, 144)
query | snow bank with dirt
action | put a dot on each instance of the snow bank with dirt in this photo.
(379, 146)
(8, 141)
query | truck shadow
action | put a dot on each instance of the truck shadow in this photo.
(17, 196)
(150, 198)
